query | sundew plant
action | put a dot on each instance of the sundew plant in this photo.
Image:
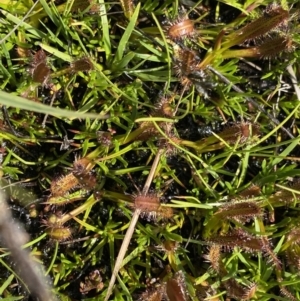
(149, 150)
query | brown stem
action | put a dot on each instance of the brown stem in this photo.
(130, 230)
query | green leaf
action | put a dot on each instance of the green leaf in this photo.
(126, 36)
(11, 100)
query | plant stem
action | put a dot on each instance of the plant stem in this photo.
(131, 227)
(294, 80)
(249, 99)
(13, 237)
